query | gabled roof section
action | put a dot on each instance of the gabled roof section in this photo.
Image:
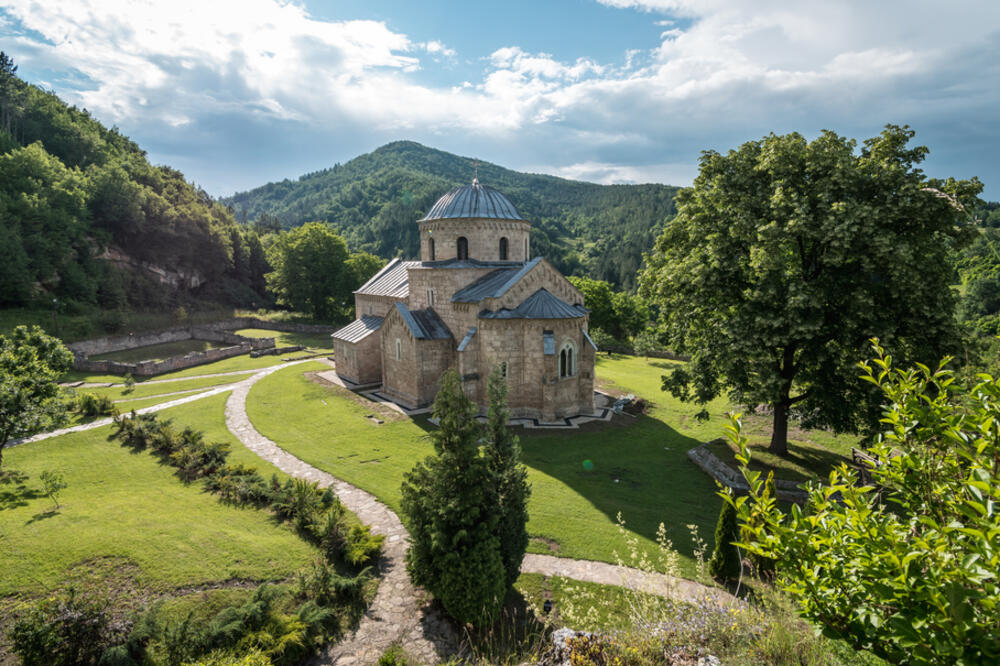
(540, 305)
(359, 329)
(393, 280)
(494, 284)
(424, 324)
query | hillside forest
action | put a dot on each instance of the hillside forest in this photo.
(89, 221)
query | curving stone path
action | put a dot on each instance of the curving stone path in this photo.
(107, 421)
(399, 613)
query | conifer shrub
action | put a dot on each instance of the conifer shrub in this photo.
(91, 405)
(725, 563)
(450, 509)
(363, 547)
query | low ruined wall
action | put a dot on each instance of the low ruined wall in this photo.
(237, 345)
(284, 326)
(219, 331)
(113, 343)
(787, 491)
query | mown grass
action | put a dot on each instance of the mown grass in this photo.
(636, 466)
(128, 507)
(574, 510)
(144, 390)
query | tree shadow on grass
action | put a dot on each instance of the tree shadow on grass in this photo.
(14, 490)
(44, 515)
(641, 471)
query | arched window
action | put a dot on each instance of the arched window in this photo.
(567, 360)
(399, 349)
(430, 247)
(463, 247)
(503, 249)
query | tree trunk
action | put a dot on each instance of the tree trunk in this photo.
(779, 432)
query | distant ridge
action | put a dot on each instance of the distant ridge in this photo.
(375, 199)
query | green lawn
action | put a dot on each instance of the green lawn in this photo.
(572, 509)
(126, 508)
(314, 341)
(639, 465)
(144, 390)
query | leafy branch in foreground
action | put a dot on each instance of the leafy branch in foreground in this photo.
(907, 566)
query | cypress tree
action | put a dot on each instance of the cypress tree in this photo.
(510, 480)
(448, 504)
(725, 561)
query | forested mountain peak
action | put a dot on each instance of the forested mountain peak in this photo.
(375, 199)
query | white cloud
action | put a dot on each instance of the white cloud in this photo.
(434, 47)
(617, 174)
(724, 70)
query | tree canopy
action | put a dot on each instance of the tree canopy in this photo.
(787, 255)
(31, 362)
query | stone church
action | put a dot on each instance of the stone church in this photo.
(475, 301)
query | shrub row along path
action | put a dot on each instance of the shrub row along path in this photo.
(399, 612)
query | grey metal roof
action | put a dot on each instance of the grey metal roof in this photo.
(473, 201)
(494, 284)
(393, 280)
(540, 305)
(586, 335)
(359, 329)
(424, 324)
(467, 339)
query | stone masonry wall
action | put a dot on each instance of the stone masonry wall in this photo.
(360, 362)
(483, 237)
(379, 306)
(399, 377)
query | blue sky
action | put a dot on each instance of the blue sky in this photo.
(239, 93)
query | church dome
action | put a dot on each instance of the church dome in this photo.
(473, 201)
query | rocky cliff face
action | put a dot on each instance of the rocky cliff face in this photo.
(165, 276)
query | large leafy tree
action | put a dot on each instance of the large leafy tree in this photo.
(451, 512)
(30, 364)
(908, 565)
(787, 255)
(310, 270)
